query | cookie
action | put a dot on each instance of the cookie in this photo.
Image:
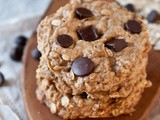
(124, 87)
(81, 106)
(93, 52)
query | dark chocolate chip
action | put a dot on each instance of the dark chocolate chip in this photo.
(133, 26)
(83, 13)
(88, 33)
(2, 79)
(130, 7)
(84, 95)
(116, 44)
(36, 54)
(21, 41)
(64, 40)
(82, 66)
(16, 53)
(153, 16)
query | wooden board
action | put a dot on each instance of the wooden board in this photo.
(38, 111)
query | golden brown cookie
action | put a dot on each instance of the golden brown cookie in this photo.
(94, 57)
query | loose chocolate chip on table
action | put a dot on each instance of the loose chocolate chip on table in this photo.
(2, 79)
(153, 16)
(133, 26)
(130, 7)
(64, 40)
(36, 54)
(82, 66)
(83, 13)
(21, 41)
(88, 33)
(16, 53)
(116, 44)
(84, 95)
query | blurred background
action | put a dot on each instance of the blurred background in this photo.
(17, 18)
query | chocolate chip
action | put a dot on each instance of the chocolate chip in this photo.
(83, 13)
(16, 53)
(130, 7)
(2, 79)
(116, 44)
(84, 95)
(64, 40)
(82, 66)
(133, 26)
(153, 16)
(21, 41)
(36, 54)
(88, 33)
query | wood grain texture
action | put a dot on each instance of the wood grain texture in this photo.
(38, 111)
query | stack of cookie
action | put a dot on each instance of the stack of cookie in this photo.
(94, 57)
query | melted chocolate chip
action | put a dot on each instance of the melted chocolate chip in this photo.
(2, 79)
(88, 33)
(83, 13)
(64, 40)
(82, 66)
(130, 7)
(116, 44)
(36, 54)
(84, 95)
(133, 26)
(153, 16)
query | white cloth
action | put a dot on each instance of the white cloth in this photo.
(7, 114)
(17, 17)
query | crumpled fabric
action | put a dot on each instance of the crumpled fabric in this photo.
(7, 114)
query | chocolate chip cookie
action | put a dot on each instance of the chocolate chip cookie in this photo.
(94, 57)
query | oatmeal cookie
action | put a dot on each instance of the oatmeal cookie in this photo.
(94, 53)
(82, 106)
